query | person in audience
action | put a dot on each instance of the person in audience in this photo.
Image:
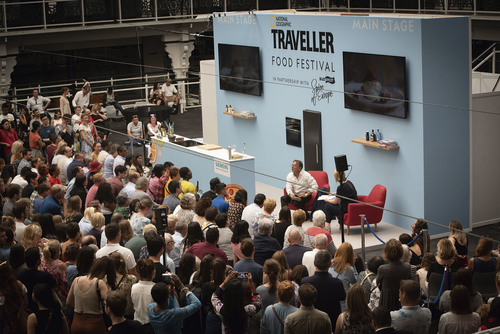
(97, 222)
(37, 102)
(347, 189)
(319, 222)
(237, 206)
(105, 151)
(461, 277)
(343, 267)
(308, 319)
(156, 246)
(16, 154)
(219, 202)
(136, 165)
(268, 291)
(299, 187)
(186, 186)
(123, 282)
(26, 160)
(79, 190)
(119, 159)
(445, 257)
(320, 243)
(416, 232)
(185, 208)
(7, 137)
(406, 259)
(330, 289)
(172, 200)
(156, 94)
(125, 228)
(98, 119)
(78, 159)
(109, 162)
(193, 237)
(411, 316)
(299, 217)
(87, 295)
(233, 306)
(141, 292)
(14, 301)
(483, 261)
(6, 244)
(63, 163)
(225, 235)
(265, 245)
(116, 306)
(49, 318)
(248, 264)
(107, 198)
(181, 230)
(427, 259)
(381, 321)
(274, 316)
(211, 194)
(368, 276)
(170, 94)
(82, 97)
(141, 186)
(174, 176)
(240, 233)
(50, 263)
(199, 210)
(24, 121)
(210, 215)
(357, 318)
(295, 251)
(460, 242)
(113, 235)
(20, 179)
(461, 319)
(112, 101)
(30, 187)
(389, 275)
(209, 246)
(135, 131)
(84, 261)
(74, 236)
(64, 102)
(54, 175)
(415, 251)
(86, 137)
(281, 224)
(141, 219)
(31, 276)
(57, 120)
(97, 180)
(285, 270)
(155, 190)
(12, 193)
(46, 130)
(97, 148)
(164, 313)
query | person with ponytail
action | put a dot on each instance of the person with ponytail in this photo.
(49, 318)
(269, 291)
(144, 208)
(124, 282)
(230, 304)
(54, 266)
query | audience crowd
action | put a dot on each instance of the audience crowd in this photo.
(91, 241)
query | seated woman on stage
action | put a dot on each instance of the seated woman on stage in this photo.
(156, 94)
(332, 207)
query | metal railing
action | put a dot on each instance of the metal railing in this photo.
(45, 14)
(488, 56)
(136, 89)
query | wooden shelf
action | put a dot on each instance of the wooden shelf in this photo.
(374, 144)
(237, 114)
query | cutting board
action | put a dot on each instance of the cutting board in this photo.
(210, 147)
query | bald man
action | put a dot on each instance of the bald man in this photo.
(320, 243)
(295, 251)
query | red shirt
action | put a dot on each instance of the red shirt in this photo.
(202, 248)
(54, 181)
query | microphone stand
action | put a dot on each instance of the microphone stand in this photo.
(341, 217)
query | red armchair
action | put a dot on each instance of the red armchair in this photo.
(322, 180)
(373, 215)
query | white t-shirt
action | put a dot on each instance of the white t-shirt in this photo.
(169, 90)
(135, 130)
(127, 254)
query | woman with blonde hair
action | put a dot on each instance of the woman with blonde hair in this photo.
(285, 270)
(358, 316)
(32, 236)
(17, 153)
(459, 239)
(123, 282)
(51, 264)
(343, 267)
(97, 222)
(445, 258)
(74, 207)
(299, 217)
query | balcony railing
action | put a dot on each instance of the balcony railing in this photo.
(44, 14)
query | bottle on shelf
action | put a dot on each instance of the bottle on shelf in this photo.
(379, 135)
(367, 136)
(373, 136)
(244, 148)
(227, 108)
(231, 109)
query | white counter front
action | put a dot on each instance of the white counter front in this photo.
(207, 164)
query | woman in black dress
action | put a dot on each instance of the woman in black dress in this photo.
(347, 189)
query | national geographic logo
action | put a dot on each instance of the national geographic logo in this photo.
(280, 21)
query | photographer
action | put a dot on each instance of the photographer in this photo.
(165, 314)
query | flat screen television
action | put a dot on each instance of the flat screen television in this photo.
(375, 83)
(239, 69)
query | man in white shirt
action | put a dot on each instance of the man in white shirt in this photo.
(299, 187)
(109, 162)
(106, 148)
(135, 131)
(170, 93)
(37, 102)
(129, 188)
(20, 213)
(119, 159)
(68, 153)
(113, 235)
(320, 243)
(82, 97)
(250, 211)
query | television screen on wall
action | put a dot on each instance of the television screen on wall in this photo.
(239, 69)
(375, 83)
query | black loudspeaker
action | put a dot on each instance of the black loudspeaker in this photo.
(161, 219)
(340, 163)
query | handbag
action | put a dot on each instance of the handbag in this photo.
(105, 317)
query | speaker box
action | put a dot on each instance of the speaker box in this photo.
(340, 163)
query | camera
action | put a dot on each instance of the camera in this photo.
(242, 275)
(167, 277)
